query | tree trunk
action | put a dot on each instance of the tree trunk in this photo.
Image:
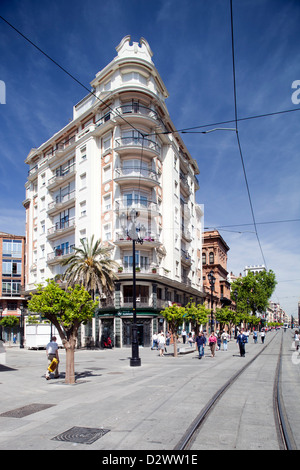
(175, 343)
(70, 360)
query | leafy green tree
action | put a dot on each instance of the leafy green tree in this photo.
(67, 310)
(228, 317)
(10, 321)
(254, 291)
(197, 315)
(174, 315)
(91, 266)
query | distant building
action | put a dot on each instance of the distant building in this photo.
(254, 269)
(12, 274)
(214, 257)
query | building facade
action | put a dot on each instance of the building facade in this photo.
(12, 277)
(120, 153)
(214, 258)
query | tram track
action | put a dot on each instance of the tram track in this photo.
(284, 432)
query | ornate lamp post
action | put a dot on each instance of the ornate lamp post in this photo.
(235, 326)
(137, 236)
(1, 310)
(22, 327)
(212, 280)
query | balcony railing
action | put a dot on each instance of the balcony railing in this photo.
(61, 225)
(137, 173)
(139, 205)
(62, 174)
(145, 143)
(135, 108)
(59, 253)
(59, 200)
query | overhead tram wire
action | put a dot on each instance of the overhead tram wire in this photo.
(237, 134)
(71, 76)
(257, 223)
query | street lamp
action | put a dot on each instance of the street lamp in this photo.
(1, 311)
(22, 327)
(137, 236)
(235, 326)
(212, 280)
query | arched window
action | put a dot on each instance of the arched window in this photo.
(203, 258)
(211, 258)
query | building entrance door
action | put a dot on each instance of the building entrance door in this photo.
(143, 332)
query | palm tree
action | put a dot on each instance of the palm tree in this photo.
(91, 266)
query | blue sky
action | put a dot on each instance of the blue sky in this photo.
(191, 43)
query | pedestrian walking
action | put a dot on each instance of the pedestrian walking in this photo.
(52, 352)
(225, 337)
(190, 340)
(262, 336)
(255, 336)
(183, 334)
(212, 342)
(161, 343)
(296, 338)
(241, 341)
(200, 343)
(154, 341)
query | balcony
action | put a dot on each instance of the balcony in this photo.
(186, 258)
(136, 144)
(147, 177)
(61, 202)
(62, 176)
(62, 227)
(59, 254)
(150, 241)
(144, 207)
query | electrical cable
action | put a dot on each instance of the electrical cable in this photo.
(237, 134)
(70, 75)
(257, 223)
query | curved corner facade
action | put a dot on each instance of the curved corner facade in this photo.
(120, 152)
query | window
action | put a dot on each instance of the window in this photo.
(106, 143)
(83, 209)
(12, 268)
(211, 258)
(134, 76)
(83, 180)
(107, 202)
(107, 232)
(107, 173)
(12, 247)
(203, 258)
(141, 260)
(11, 288)
(83, 153)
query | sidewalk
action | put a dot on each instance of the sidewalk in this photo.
(112, 406)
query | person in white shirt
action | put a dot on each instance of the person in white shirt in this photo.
(161, 344)
(52, 352)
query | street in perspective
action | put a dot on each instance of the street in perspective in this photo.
(113, 406)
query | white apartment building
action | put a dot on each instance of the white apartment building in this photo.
(120, 152)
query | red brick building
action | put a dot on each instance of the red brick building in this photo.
(214, 258)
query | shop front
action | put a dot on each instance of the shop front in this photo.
(118, 326)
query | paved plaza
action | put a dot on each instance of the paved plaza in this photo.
(112, 406)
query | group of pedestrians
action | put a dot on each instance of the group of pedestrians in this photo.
(160, 342)
(214, 342)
